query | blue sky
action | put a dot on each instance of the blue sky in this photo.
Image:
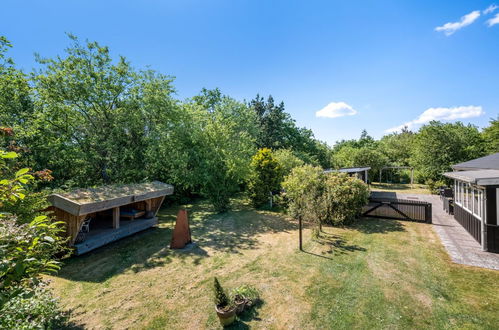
(384, 63)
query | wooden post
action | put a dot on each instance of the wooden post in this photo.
(381, 170)
(300, 229)
(116, 217)
(149, 212)
(412, 176)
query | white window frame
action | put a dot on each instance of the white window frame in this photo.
(465, 197)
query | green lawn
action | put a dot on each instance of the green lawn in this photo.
(375, 274)
(405, 188)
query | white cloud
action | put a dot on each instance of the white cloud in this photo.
(451, 27)
(490, 9)
(336, 109)
(493, 21)
(430, 114)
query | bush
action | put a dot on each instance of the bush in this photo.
(32, 309)
(266, 177)
(26, 252)
(434, 185)
(345, 197)
(333, 198)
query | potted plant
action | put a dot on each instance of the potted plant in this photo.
(243, 296)
(226, 311)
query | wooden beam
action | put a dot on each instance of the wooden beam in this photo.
(116, 218)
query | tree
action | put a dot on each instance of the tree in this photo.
(96, 115)
(224, 143)
(278, 130)
(287, 160)
(437, 146)
(397, 147)
(15, 93)
(265, 178)
(368, 155)
(491, 136)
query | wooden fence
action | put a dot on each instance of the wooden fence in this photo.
(400, 209)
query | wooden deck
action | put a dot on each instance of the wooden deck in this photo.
(102, 236)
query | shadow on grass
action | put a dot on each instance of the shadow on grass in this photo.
(378, 226)
(230, 232)
(248, 315)
(337, 244)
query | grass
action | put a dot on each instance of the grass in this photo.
(405, 188)
(374, 274)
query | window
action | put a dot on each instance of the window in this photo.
(476, 202)
(469, 198)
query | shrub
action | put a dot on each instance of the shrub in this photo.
(434, 185)
(333, 198)
(32, 309)
(221, 298)
(344, 198)
(27, 252)
(266, 177)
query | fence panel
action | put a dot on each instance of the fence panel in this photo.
(400, 209)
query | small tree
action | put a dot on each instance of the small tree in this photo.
(221, 298)
(266, 176)
(333, 198)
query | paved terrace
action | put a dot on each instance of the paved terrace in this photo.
(461, 246)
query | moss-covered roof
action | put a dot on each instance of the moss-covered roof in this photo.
(103, 193)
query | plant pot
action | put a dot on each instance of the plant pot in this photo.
(226, 317)
(240, 305)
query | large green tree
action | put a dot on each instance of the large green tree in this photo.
(278, 130)
(491, 136)
(439, 145)
(15, 92)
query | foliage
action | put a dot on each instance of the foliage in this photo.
(224, 145)
(221, 298)
(15, 92)
(304, 190)
(33, 309)
(246, 292)
(434, 186)
(266, 177)
(287, 160)
(491, 136)
(277, 130)
(333, 198)
(368, 155)
(397, 147)
(437, 146)
(345, 196)
(27, 251)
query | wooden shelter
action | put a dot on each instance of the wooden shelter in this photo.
(97, 216)
(358, 172)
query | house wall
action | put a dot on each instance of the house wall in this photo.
(472, 225)
(492, 229)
